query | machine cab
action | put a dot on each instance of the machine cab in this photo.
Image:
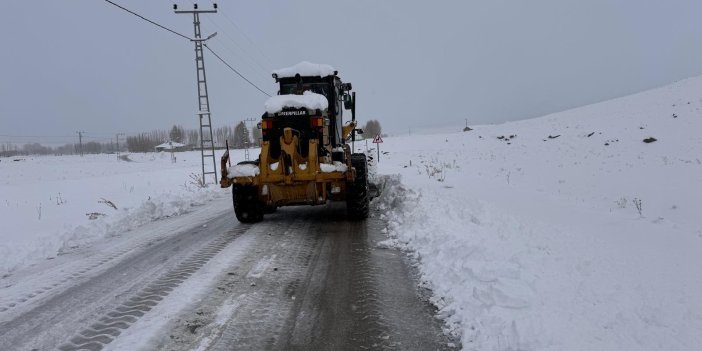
(318, 79)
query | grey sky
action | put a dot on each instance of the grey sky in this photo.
(86, 65)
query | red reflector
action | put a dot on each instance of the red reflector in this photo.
(266, 124)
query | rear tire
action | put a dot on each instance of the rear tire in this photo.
(247, 207)
(357, 199)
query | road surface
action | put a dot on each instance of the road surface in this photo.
(303, 279)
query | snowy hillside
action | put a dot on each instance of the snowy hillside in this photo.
(566, 232)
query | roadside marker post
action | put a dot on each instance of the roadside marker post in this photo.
(377, 141)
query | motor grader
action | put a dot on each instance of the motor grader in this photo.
(305, 155)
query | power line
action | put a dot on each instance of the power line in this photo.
(235, 71)
(233, 52)
(35, 136)
(148, 20)
(97, 138)
(250, 58)
(183, 36)
(247, 37)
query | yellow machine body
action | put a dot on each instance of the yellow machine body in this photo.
(292, 179)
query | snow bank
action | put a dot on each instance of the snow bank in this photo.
(479, 292)
(566, 232)
(308, 100)
(305, 69)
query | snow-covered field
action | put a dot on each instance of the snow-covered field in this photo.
(50, 205)
(566, 232)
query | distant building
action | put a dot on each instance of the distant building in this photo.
(170, 146)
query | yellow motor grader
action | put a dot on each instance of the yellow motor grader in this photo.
(305, 156)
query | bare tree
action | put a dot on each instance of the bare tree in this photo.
(193, 137)
(177, 134)
(241, 136)
(372, 128)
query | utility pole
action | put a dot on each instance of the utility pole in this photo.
(467, 128)
(206, 139)
(80, 141)
(117, 137)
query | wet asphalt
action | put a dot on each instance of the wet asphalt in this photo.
(326, 285)
(310, 280)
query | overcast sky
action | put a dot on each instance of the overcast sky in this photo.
(86, 65)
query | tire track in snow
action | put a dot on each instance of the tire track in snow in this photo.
(110, 326)
(60, 281)
(369, 329)
(63, 275)
(263, 313)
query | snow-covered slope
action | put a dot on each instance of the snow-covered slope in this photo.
(566, 232)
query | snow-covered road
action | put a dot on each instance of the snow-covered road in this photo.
(305, 278)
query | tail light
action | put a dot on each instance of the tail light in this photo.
(266, 124)
(317, 122)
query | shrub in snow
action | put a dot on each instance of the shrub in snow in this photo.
(195, 180)
(107, 202)
(638, 204)
(60, 200)
(94, 215)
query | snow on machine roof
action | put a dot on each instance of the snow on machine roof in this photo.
(308, 100)
(305, 69)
